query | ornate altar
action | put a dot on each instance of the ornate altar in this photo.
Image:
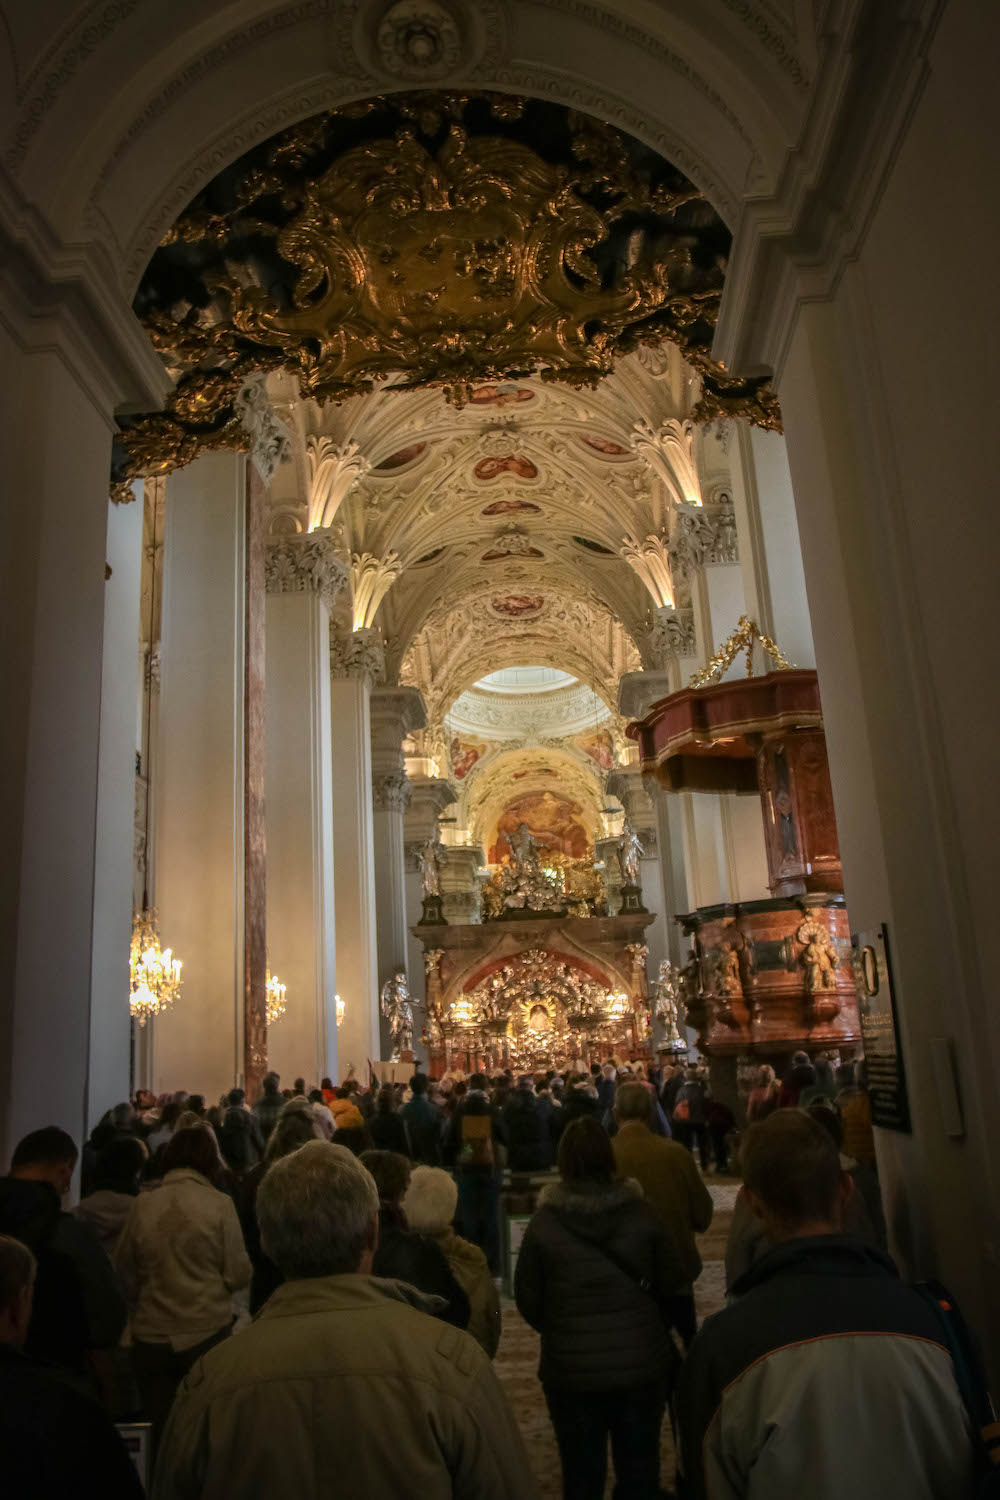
(544, 992)
(547, 978)
(768, 977)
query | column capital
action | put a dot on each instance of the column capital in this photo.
(638, 691)
(671, 637)
(306, 564)
(398, 706)
(392, 793)
(358, 653)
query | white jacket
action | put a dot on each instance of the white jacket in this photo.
(180, 1258)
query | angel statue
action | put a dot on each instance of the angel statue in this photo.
(398, 1011)
(430, 867)
(629, 854)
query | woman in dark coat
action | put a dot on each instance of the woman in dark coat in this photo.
(386, 1126)
(594, 1269)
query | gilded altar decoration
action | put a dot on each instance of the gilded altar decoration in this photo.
(154, 973)
(437, 239)
(397, 1008)
(534, 1006)
(744, 638)
(534, 879)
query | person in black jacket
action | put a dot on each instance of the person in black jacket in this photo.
(78, 1304)
(386, 1128)
(52, 1436)
(530, 1148)
(424, 1124)
(472, 1144)
(594, 1269)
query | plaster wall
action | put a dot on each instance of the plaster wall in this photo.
(899, 537)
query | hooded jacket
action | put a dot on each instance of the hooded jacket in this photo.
(343, 1375)
(826, 1377)
(77, 1305)
(600, 1329)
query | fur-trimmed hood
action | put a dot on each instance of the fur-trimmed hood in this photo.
(590, 1200)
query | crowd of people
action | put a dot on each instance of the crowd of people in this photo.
(350, 1237)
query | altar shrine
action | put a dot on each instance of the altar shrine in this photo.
(547, 980)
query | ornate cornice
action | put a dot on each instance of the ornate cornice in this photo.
(306, 564)
(359, 654)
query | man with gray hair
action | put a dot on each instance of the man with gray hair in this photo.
(341, 1373)
(52, 1435)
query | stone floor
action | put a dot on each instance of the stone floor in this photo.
(517, 1360)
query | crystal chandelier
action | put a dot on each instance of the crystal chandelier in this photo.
(275, 991)
(154, 973)
(341, 1007)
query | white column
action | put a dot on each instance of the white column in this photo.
(356, 660)
(64, 366)
(115, 831)
(774, 582)
(304, 576)
(395, 713)
(198, 771)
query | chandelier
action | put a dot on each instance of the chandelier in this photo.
(154, 973)
(341, 1007)
(275, 991)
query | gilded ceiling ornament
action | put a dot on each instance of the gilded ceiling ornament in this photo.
(434, 240)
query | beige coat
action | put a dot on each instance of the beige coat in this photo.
(180, 1258)
(470, 1270)
(670, 1180)
(342, 1385)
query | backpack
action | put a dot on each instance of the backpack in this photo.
(476, 1137)
(970, 1378)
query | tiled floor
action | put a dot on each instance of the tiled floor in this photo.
(517, 1360)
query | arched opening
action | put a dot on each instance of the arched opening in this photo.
(819, 171)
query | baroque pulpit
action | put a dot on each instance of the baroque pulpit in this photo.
(773, 976)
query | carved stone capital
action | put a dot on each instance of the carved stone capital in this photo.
(392, 793)
(270, 440)
(306, 564)
(359, 654)
(673, 635)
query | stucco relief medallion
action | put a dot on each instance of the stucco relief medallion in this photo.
(426, 41)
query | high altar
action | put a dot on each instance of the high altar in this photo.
(546, 980)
